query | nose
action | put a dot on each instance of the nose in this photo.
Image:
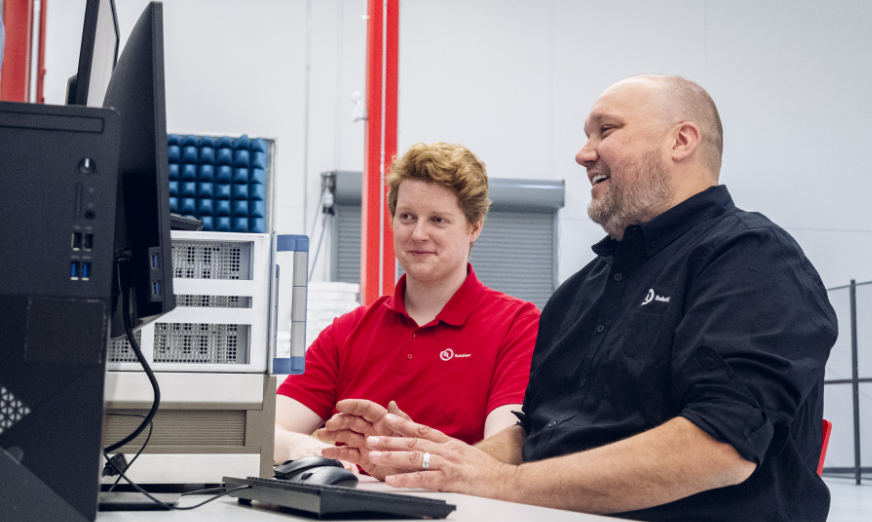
(419, 233)
(587, 156)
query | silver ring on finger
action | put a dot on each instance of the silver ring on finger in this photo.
(426, 463)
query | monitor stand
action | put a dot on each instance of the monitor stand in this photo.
(135, 501)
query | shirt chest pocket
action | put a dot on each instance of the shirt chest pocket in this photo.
(634, 366)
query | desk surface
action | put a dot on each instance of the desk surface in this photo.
(226, 509)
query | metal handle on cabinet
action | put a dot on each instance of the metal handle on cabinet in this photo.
(299, 245)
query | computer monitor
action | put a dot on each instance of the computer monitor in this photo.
(142, 228)
(98, 54)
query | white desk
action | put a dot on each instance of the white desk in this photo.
(470, 509)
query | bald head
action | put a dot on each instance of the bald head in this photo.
(674, 99)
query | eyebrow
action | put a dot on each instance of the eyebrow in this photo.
(596, 120)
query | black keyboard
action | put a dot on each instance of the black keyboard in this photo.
(336, 500)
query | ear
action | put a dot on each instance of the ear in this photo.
(687, 139)
(475, 229)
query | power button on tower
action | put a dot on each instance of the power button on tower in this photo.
(87, 166)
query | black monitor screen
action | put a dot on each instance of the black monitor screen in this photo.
(142, 229)
(98, 55)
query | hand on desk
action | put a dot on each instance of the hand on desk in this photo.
(357, 420)
(454, 465)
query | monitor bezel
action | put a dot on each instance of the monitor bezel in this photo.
(80, 84)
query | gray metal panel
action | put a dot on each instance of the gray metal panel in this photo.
(526, 195)
(520, 195)
(515, 254)
(346, 261)
(191, 428)
(349, 187)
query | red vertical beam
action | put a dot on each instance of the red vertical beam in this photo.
(391, 90)
(40, 66)
(15, 76)
(370, 237)
(377, 265)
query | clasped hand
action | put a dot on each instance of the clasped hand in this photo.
(390, 447)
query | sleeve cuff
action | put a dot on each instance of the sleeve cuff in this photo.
(717, 402)
(306, 400)
(502, 401)
(523, 420)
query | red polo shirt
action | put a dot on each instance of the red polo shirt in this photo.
(448, 374)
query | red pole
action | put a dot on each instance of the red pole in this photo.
(392, 59)
(370, 241)
(377, 265)
(40, 69)
(15, 76)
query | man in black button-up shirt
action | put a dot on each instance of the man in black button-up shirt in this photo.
(679, 375)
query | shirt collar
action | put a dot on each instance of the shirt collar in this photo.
(456, 310)
(660, 232)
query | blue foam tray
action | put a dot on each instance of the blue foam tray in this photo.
(220, 181)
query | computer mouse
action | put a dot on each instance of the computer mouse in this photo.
(326, 476)
(288, 468)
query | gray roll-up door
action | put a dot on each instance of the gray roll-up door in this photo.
(345, 264)
(515, 254)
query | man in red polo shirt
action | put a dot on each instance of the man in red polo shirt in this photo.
(451, 352)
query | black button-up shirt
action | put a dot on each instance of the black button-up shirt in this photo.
(706, 312)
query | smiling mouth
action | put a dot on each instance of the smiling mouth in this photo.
(599, 178)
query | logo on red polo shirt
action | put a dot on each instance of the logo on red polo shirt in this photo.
(448, 354)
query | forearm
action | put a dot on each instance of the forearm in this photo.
(290, 445)
(667, 463)
(506, 445)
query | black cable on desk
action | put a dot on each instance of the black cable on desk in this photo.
(138, 453)
(124, 277)
(164, 504)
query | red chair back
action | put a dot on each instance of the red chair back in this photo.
(828, 427)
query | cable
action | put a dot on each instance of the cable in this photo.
(138, 453)
(164, 504)
(124, 276)
(204, 491)
(124, 281)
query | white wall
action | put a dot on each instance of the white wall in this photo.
(514, 79)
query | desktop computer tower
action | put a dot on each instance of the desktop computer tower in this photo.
(58, 189)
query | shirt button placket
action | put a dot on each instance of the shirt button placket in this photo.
(409, 349)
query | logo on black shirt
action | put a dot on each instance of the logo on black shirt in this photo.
(654, 297)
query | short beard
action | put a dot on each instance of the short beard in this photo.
(635, 201)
